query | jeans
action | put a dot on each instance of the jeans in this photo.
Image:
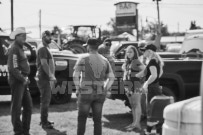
(20, 98)
(45, 98)
(85, 101)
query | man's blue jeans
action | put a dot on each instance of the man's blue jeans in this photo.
(85, 101)
(20, 98)
(45, 98)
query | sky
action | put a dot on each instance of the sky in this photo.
(176, 14)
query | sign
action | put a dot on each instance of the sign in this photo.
(126, 16)
(126, 20)
(126, 9)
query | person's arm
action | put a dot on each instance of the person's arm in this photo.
(151, 78)
(142, 67)
(46, 67)
(43, 56)
(13, 58)
(78, 68)
(110, 78)
(76, 80)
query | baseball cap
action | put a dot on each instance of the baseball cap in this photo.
(46, 33)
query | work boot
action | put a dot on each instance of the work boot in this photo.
(47, 126)
(49, 122)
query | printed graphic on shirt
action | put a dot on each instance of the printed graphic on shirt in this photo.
(97, 66)
(15, 61)
(3, 70)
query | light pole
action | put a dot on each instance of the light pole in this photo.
(158, 37)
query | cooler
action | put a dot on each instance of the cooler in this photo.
(183, 118)
(155, 112)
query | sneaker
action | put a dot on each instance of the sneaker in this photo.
(49, 122)
(47, 126)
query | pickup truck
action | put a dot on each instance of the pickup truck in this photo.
(181, 78)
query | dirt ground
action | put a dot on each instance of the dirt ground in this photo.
(116, 116)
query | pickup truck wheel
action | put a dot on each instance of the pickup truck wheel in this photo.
(77, 48)
(58, 98)
(169, 92)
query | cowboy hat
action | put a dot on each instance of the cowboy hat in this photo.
(17, 31)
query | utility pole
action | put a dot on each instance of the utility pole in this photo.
(201, 92)
(137, 23)
(11, 15)
(158, 37)
(40, 23)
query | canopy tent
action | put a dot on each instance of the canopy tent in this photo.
(128, 36)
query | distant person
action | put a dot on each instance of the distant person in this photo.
(45, 78)
(93, 77)
(104, 49)
(132, 84)
(19, 69)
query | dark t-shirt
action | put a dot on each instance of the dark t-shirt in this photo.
(17, 62)
(43, 53)
(153, 62)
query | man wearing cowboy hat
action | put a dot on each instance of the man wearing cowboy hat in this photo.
(19, 70)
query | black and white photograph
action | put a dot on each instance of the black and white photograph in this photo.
(101, 67)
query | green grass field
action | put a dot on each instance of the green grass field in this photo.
(116, 116)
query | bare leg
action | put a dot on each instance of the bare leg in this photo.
(136, 98)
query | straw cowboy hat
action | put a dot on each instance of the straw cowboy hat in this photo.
(17, 31)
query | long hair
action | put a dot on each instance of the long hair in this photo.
(128, 60)
(159, 61)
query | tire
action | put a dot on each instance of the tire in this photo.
(59, 97)
(77, 48)
(168, 92)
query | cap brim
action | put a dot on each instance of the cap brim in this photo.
(84, 45)
(142, 49)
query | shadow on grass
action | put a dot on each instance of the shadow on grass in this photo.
(5, 108)
(70, 106)
(55, 132)
(119, 122)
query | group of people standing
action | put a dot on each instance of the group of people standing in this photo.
(93, 77)
(95, 70)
